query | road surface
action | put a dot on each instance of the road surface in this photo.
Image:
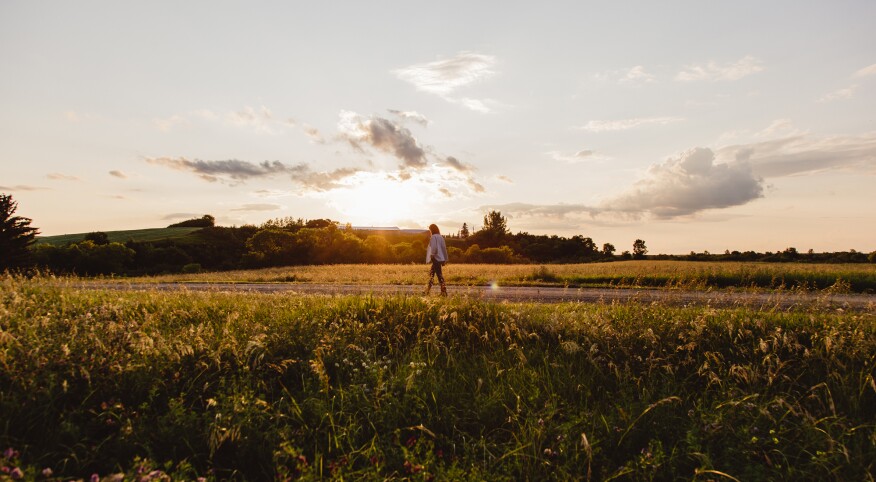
(776, 300)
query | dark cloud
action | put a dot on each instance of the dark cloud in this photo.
(118, 174)
(235, 171)
(802, 154)
(456, 164)
(383, 135)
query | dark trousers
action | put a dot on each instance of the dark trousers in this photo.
(436, 270)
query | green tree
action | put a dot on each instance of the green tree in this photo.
(16, 235)
(639, 249)
(98, 237)
(464, 232)
(608, 249)
(495, 223)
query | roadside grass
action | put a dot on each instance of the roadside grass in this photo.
(242, 386)
(857, 278)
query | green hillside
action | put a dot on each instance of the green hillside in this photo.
(140, 235)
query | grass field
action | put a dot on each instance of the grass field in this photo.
(139, 235)
(860, 278)
(256, 387)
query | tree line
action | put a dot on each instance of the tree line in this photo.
(295, 241)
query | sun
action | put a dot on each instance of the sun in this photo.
(374, 199)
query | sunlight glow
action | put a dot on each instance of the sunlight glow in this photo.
(374, 199)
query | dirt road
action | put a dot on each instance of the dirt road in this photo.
(780, 300)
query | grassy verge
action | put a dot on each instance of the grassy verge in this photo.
(857, 278)
(227, 386)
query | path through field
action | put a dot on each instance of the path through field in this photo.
(778, 300)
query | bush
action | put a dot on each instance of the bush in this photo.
(192, 268)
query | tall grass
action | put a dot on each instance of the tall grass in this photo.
(859, 278)
(242, 386)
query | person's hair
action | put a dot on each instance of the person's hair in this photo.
(434, 229)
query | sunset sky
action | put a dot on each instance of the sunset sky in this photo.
(743, 125)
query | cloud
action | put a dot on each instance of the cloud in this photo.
(505, 179)
(444, 77)
(236, 171)
(261, 119)
(687, 184)
(621, 125)
(411, 116)
(259, 207)
(172, 216)
(713, 71)
(384, 135)
(865, 72)
(118, 174)
(846, 93)
(804, 153)
(56, 176)
(22, 187)
(171, 122)
(558, 211)
(217, 170)
(636, 75)
(583, 155)
(459, 166)
(680, 186)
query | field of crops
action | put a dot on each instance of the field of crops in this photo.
(139, 235)
(245, 386)
(859, 278)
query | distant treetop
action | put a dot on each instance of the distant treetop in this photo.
(205, 221)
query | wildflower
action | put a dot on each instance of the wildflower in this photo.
(95, 478)
(16, 474)
(47, 472)
(412, 440)
(8, 453)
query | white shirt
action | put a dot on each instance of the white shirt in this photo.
(437, 249)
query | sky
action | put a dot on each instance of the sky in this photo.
(695, 126)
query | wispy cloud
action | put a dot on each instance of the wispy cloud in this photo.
(867, 71)
(713, 71)
(444, 77)
(840, 94)
(23, 187)
(172, 216)
(259, 207)
(411, 116)
(118, 174)
(57, 176)
(236, 171)
(624, 124)
(260, 120)
(583, 155)
(805, 153)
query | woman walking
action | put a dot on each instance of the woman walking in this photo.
(436, 254)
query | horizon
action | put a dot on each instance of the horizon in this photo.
(695, 127)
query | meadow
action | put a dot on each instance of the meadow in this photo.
(155, 385)
(858, 278)
(138, 235)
